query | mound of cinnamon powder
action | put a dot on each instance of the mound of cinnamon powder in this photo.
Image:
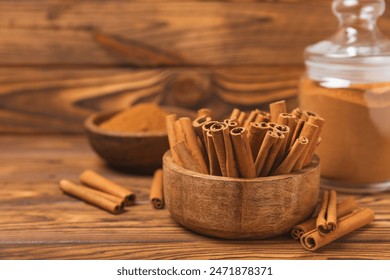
(145, 117)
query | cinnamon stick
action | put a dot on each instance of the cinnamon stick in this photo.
(272, 154)
(283, 149)
(343, 208)
(214, 167)
(241, 118)
(197, 125)
(156, 195)
(224, 149)
(293, 155)
(318, 121)
(291, 121)
(263, 116)
(269, 141)
(231, 123)
(256, 135)
(185, 156)
(206, 128)
(96, 181)
(91, 196)
(235, 114)
(193, 144)
(251, 118)
(312, 240)
(309, 131)
(327, 217)
(205, 112)
(170, 123)
(276, 108)
(243, 153)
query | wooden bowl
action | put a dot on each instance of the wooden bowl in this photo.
(236, 208)
(133, 152)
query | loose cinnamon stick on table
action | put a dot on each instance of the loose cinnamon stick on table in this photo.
(170, 123)
(312, 240)
(343, 208)
(156, 195)
(293, 155)
(96, 181)
(243, 152)
(91, 196)
(269, 141)
(276, 108)
(256, 135)
(193, 144)
(327, 217)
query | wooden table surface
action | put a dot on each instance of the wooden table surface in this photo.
(37, 221)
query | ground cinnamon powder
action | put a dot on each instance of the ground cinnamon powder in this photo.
(145, 117)
(355, 144)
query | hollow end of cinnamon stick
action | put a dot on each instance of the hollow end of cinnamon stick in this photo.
(157, 203)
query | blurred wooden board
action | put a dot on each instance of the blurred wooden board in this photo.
(37, 221)
(57, 100)
(158, 33)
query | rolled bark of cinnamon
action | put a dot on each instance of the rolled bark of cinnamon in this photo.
(156, 195)
(343, 208)
(293, 155)
(241, 118)
(214, 167)
(300, 114)
(318, 121)
(256, 135)
(96, 181)
(283, 149)
(224, 149)
(231, 124)
(312, 240)
(272, 154)
(235, 114)
(251, 118)
(205, 112)
(269, 141)
(197, 125)
(193, 144)
(263, 116)
(276, 108)
(309, 131)
(170, 123)
(206, 128)
(327, 217)
(93, 197)
(291, 121)
(185, 156)
(243, 153)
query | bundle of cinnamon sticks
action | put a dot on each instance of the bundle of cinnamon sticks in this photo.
(99, 191)
(332, 222)
(247, 145)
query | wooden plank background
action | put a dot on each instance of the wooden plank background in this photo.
(61, 60)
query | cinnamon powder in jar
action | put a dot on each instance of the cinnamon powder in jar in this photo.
(355, 144)
(145, 117)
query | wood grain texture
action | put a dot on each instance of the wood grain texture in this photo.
(37, 221)
(161, 33)
(57, 100)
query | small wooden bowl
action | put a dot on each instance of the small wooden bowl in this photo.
(132, 152)
(236, 208)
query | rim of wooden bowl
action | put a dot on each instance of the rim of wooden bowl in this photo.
(167, 160)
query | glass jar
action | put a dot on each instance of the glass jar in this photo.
(347, 82)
